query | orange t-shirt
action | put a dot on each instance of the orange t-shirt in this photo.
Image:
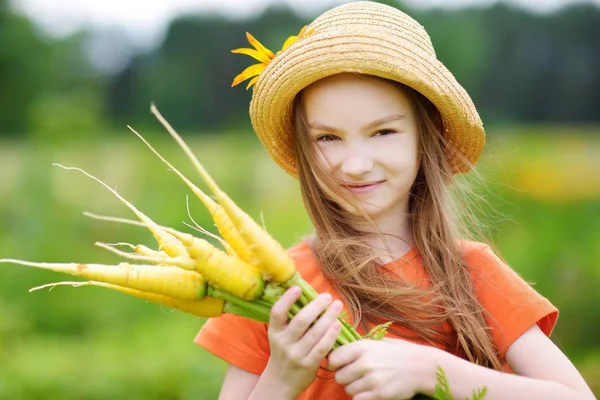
(513, 306)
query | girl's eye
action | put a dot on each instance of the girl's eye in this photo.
(384, 132)
(326, 138)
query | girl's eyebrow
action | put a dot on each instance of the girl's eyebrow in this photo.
(383, 120)
(380, 121)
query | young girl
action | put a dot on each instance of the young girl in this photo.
(375, 128)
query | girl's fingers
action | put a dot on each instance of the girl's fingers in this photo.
(350, 373)
(323, 346)
(359, 386)
(346, 354)
(279, 311)
(320, 327)
(309, 313)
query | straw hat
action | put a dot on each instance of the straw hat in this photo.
(369, 38)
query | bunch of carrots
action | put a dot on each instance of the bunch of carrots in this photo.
(190, 274)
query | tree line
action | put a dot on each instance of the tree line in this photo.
(518, 66)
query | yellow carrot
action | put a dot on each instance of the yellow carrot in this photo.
(146, 251)
(270, 257)
(165, 280)
(155, 257)
(166, 229)
(221, 270)
(220, 217)
(167, 242)
(208, 307)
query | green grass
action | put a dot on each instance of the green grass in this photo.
(90, 343)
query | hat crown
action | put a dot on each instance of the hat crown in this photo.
(376, 19)
(367, 38)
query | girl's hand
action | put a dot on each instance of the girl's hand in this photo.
(381, 369)
(297, 348)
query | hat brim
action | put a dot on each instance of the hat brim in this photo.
(359, 50)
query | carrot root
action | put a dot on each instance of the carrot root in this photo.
(165, 280)
(208, 307)
(268, 254)
(158, 257)
(167, 242)
(220, 217)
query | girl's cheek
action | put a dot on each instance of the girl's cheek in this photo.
(399, 148)
(329, 157)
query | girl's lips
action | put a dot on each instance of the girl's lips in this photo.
(363, 188)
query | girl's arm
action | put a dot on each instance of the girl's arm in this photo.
(541, 370)
(238, 384)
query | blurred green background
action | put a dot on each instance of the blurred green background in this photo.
(67, 99)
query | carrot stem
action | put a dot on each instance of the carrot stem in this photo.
(347, 334)
(303, 300)
(255, 308)
(349, 331)
(296, 309)
(307, 290)
(236, 309)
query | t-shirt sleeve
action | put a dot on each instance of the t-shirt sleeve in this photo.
(512, 304)
(237, 340)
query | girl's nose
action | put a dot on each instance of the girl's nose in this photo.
(356, 165)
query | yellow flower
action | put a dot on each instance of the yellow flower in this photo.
(262, 54)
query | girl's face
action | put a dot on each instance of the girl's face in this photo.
(366, 139)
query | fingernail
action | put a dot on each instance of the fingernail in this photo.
(337, 325)
(337, 305)
(326, 297)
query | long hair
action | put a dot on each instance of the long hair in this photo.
(373, 295)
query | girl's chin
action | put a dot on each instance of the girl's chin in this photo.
(376, 212)
(371, 210)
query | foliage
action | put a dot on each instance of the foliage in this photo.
(94, 344)
(443, 392)
(35, 72)
(513, 63)
(517, 66)
(442, 387)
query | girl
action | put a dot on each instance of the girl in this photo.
(359, 109)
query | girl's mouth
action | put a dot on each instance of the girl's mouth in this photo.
(362, 187)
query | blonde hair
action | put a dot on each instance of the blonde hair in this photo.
(350, 264)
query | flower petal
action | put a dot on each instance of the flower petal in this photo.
(289, 41)
(264, 55)
(253, 53)
(248, 73)
(258, 46)
(252, 82)
(306, 32)
(293, 39)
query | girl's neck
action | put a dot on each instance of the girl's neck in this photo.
(395, 240)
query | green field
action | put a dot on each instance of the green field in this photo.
(88, 343)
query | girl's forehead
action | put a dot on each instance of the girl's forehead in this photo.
(347, 81)
(352, 93)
